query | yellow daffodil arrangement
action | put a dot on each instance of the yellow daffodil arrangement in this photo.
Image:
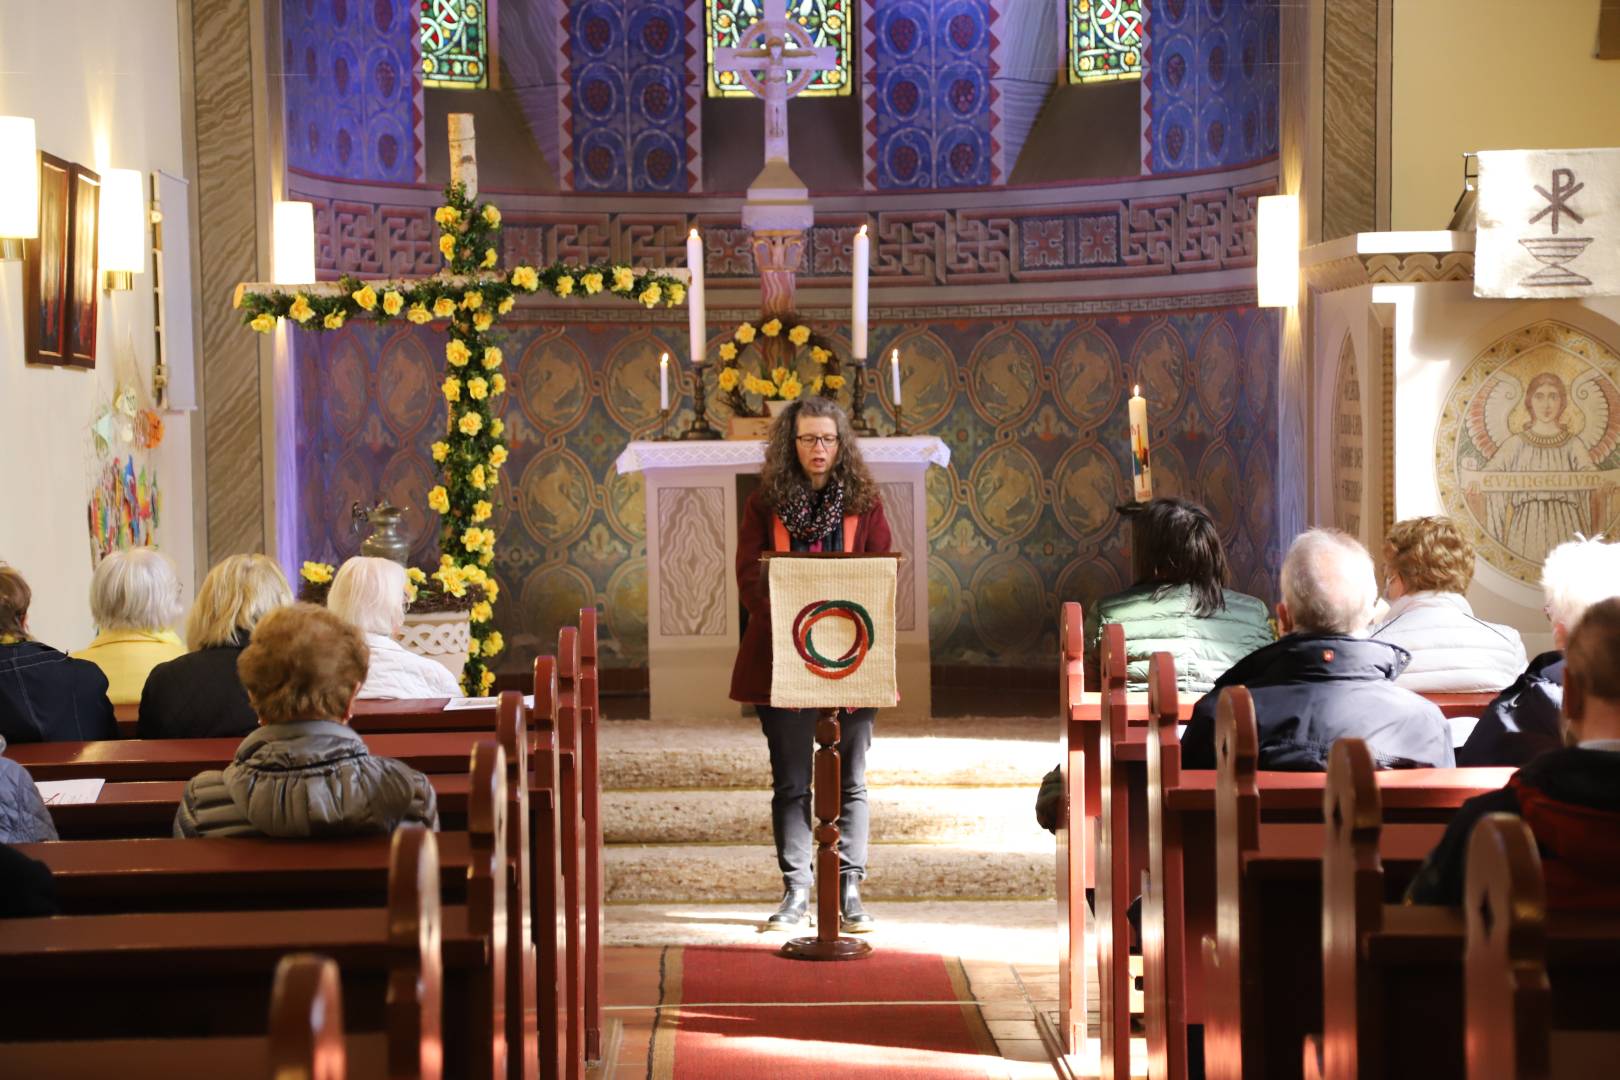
(472, 294)
(779, 380)
(446, 589)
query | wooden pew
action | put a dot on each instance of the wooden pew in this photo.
(196, 973)
(1507, 992)
(181, 759)
(72, 958)
(379, 716)
(1182, 846)
(1074, 851)
(1120, 827)
(1394, 974)
(590, 776)
(1262, 965)
(570, 789)
(304, 1041)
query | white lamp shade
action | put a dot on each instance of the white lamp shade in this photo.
(123, 221)
(1277, 266)
(295, 243)
(19, 178)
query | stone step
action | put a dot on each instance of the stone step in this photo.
(644, 874)
(730, 752)
(999, 818)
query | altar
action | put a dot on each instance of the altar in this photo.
(694, 613)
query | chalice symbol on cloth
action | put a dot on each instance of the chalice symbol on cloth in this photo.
(1553, 252)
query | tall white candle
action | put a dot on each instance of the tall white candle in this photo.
(695, 315)
(1141, 472)
(863, 261)
(663, 383)
(894, 371)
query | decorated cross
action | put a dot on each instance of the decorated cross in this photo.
(470, 296)
(776, 54)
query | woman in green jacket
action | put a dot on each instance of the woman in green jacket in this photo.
(1179, 603)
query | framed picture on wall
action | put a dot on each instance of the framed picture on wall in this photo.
(80, 345)
(45, 267)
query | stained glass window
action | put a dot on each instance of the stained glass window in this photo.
(1106, 38)
(455, 44)
(827, 20)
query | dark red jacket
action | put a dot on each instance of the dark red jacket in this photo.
(758, 533)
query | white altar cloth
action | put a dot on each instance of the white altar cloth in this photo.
(727, 453)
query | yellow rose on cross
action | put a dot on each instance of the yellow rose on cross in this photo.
(477, 388)
(565, 285)
(493, 357)
(441, 450)
(485, 681)
(366, 297)
(451, 388)
(444, 307)
(677, 293)
(333, 321)
(483, 321)
(392, 302)
(446, 216)
(490, 258)
(482, 611)
(447, 246)
(497, 428)
(492, 215)
(476, 477)
(456, 351)
(494, 643)
(592, 283)
(263, 323)
(419, 314)
(472, 537)
(316, 573)
(497, 456)
(497, 384)
(439, 499)
(651, 294)
(471, 423)
(482, 509)
(300, 311)
(526, 278)
(472, 300)
(624, 279)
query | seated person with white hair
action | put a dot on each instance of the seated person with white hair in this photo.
(1324, 680)
(134, 600)
(304, 772)
(1428, 566)
(1523, 720)
(370, 594)
(45, 695)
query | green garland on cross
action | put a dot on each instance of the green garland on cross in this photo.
(472, 295)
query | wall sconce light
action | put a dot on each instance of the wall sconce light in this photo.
(19, 185)
(123, 228)
(294, 227)
(1277, 265)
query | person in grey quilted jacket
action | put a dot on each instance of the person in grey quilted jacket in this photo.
(23, 817)
(304, 773)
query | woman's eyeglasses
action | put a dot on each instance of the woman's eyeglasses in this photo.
(812, 441)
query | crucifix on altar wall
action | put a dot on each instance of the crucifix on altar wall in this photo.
(777, 211)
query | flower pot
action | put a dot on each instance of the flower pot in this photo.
(774, 407)
(441, 636)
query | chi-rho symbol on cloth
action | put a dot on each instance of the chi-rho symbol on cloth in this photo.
(832, 633)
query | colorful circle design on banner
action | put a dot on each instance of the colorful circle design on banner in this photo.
(849, 663)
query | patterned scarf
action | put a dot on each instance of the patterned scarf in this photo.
(810, 515)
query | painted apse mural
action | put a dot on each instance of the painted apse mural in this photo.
(1210, 87)
(1033, 409)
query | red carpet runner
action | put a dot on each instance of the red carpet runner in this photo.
(741, 1011)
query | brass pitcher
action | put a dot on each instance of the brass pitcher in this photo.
(385, 541)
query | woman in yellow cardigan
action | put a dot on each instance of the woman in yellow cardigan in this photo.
(134, 599)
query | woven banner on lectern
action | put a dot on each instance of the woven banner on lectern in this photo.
(832, 633)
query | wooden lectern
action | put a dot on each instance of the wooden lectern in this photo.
(856, 590)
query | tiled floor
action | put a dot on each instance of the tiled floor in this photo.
(1008, 995)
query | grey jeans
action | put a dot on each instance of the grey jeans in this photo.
(791, 734)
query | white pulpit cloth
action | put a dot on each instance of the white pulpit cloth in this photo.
(731, 453)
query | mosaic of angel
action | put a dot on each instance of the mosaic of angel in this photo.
(1544, 444)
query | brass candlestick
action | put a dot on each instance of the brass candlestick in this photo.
(899, 420)
(699, 428)
(857, 413)
(663, 424)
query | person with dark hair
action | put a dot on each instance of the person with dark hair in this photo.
(815, 494)
(1179, 603)
(1570, 797)
(27, 889)
(304, 772)
(45, 695)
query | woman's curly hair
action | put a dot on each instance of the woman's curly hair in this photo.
(782, 473)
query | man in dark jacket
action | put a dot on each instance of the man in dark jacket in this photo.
(1570, 797)
(1321, 681)
(1523, 720)
(45, 695)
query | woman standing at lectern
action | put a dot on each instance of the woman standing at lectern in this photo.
(815, 494)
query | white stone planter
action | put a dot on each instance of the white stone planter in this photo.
(775, 406)
(442, 636)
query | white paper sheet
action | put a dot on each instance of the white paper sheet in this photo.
(69, 792)
(482, 703)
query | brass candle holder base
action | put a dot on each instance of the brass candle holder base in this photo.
(699, 428)
(899, 420)
(857, 408)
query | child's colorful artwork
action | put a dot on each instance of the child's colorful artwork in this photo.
(124, 507)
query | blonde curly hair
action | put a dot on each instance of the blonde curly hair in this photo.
(1430, 554)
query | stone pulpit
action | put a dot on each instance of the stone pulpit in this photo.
(695, 492)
